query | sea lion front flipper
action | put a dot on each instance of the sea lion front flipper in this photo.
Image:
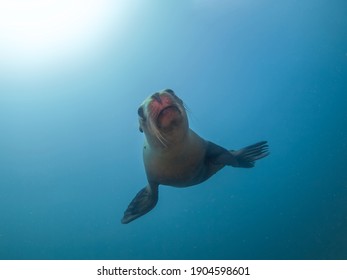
(247, 156)
(143, 202)
(244, 157)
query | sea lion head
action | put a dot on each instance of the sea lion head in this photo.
(163, 118)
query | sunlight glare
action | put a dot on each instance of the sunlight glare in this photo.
(36, 33)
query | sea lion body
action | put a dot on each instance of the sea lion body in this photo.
(175, 155)
(187, 158)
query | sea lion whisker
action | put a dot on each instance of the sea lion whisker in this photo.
(152, 126)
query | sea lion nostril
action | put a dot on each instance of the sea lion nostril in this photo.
(156, 97)
(170, 91)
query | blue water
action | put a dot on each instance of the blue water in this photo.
(71, 152)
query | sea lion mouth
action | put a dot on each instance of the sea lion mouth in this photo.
(168, 116)
(166, 110)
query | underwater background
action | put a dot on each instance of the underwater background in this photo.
(71, 151)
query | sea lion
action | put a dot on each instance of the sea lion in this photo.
(175, 155)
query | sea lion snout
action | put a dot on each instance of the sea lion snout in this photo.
(157, 98)
(161, 102)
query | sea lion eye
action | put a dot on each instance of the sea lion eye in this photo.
(141, 113)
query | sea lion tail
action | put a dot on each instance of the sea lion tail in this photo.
(143, 202)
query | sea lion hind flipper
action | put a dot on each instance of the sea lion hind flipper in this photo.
(143, 202)
(244, 157)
